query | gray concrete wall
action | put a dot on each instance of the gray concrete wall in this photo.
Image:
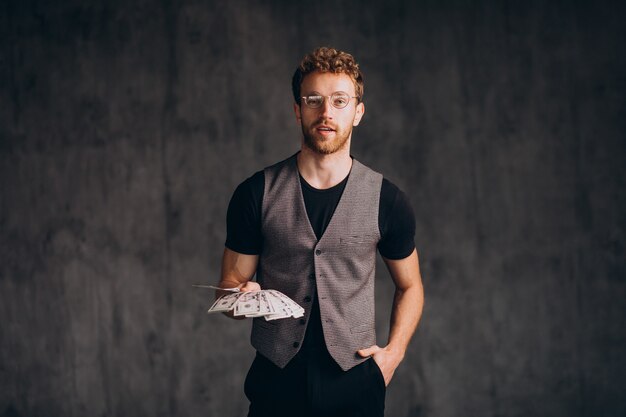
(124, 129)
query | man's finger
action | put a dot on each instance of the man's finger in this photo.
(369, 351)
(250, 286)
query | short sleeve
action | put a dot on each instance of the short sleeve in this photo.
(243, 219)
(396, 223)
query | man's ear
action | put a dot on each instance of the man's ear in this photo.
(296, 110)
(360, 111)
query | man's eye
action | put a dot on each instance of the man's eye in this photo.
(340, 101)
(314, 100)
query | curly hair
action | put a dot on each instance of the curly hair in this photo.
(325, 59)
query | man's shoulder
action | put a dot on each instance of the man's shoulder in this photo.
(254, 181)
(251, 187)
(255, 184)
(394, 201)
(366, 175)
(389, 188)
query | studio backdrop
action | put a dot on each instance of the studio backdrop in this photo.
(126, 126)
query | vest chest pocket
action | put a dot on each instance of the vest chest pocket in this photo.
(362, 328)
(364, 239)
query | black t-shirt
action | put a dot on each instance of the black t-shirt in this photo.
(396, 223)
(396, 220)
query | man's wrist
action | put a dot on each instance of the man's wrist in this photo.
(396, 351)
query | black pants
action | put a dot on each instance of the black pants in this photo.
(313, 385)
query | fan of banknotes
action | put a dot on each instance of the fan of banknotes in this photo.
(269, 304)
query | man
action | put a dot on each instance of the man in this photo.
(309, 227)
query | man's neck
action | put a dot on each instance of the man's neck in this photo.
(324, 171)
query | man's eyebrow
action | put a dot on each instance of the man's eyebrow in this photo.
(315, 93)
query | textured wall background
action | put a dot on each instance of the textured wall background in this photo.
(124, 129)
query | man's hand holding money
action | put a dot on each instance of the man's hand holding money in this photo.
(248, 286)
(248, 300)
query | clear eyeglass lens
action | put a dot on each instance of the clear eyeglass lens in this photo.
(314, 101)
(338, 100)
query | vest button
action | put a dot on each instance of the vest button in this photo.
(307, 299)
(296, 344)
(302, 321)
(312, 276)
(318, 252)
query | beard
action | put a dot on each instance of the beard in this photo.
(325, 146)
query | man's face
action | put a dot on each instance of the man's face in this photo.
(328, 129)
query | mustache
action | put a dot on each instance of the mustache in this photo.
(325, 123)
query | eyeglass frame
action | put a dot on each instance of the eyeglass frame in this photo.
(304, 98)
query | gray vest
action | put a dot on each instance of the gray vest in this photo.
(341, 265)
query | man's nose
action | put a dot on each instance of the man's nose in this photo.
(327, 108)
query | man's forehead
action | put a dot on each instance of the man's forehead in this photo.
(327, 82)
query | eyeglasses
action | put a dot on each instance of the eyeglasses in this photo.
(338, 100)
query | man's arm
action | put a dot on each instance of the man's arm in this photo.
(237, 271)
(406, 312)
